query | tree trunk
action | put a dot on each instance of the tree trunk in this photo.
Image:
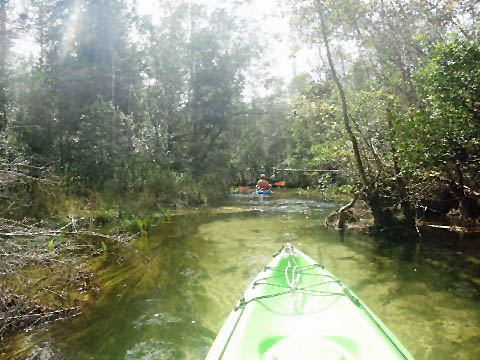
(407, 208)
(346, 119)
(383, 218)
(4, 47)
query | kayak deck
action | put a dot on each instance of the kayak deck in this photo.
(295, 309)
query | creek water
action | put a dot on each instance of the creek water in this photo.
(172, 292)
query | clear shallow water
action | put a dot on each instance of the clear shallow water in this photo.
(170, 296)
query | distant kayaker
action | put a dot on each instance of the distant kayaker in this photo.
(263, 184)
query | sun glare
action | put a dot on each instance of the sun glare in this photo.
(285, 59)
(71, 28)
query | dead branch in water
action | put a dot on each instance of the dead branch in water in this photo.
(42, 269)
(340, 214)
(17, 312)
(48, 266)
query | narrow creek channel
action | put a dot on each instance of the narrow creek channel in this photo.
(169, 297)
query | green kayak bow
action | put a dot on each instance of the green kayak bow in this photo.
(295, 309)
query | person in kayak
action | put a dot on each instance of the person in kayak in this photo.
(263, 184)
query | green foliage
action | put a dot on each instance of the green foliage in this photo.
(408, 96)
(36, 117)
(258, 138)
(135, 224)
(142, 225)
(446, 122)
(154, 113)
(56, 242)
(61, 238)
(102, 146)
(325, 181)
(166, 215)
(343, 190)
(334, 154)
(315, 135)
(330, 191)
(120, 103)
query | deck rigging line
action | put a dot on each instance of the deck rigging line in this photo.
(297, 271)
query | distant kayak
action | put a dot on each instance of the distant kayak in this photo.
(295, 309)
(264, 192)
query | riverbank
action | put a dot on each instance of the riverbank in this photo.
(357, 217)
(50, 260)
(48, 268)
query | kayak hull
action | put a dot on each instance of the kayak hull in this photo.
(264, 192)
(295, 309)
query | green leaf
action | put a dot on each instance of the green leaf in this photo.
(141, 225)
(61, 238)
(166, 215)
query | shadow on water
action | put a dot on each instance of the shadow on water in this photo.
(168, 299)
